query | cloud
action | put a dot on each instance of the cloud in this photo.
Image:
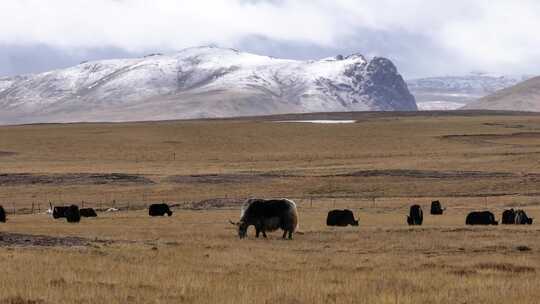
(494, 35)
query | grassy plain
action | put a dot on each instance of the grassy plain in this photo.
(377, 167)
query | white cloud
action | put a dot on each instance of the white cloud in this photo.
(488, 34)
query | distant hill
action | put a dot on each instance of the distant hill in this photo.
(453, 92)
(524, 96)
(203, 82)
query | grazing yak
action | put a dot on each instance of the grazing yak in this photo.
(341, 218)
(88, 212)
(436, 208)
(416, 216)
(481, 218)
(268, 215)
(508, 217)
(159, 210)
(2, 214)
(522, 218)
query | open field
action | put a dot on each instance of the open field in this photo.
(376, 167)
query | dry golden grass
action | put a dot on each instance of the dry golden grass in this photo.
(195, 256)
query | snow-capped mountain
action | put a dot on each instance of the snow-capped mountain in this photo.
(452, 92)
(203, 82)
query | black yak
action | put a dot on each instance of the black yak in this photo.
(436, 208)
(2, 214)
(59, 211)
(159, 210)
(72, 214)
(416, 216)
(87, 212)
(522, 218)
(268, 215)
(481, 218)
(341, 218)
(508, 217)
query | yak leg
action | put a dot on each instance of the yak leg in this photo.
(257, 231)
(290, 234)
(264, 233)
(284, 234)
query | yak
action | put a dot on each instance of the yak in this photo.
(2, 214)
(415, 216)
(508, 217)
(522, 218)
(481, 218)
(72, 214)
(159, 210)
(436, 208)
(59, 211)
(341, 218)
(268, 215)
(88, 212)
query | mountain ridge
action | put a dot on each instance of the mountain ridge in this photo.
(524, 96)
(453, 92)
(203, 82)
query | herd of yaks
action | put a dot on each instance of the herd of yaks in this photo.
(73, 213)
(268, 215)
(416, 216)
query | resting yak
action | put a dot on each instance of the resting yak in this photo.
(522, 218)
(508, 217)
(436, 208)
(159, 210)
(416, 216)
(481, 218)
(87, 212)
(268, 215)
(341, 218)
(2, 214)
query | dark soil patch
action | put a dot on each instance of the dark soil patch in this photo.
(218, 178)
(20, 300)
(504, 125)
(428, 174)
(523, 248)
(505, 267)
(16, 179)
(7, 153)
(25, 240)
(488, 138)
(463, 272)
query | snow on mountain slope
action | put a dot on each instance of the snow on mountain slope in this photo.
(437, 93)
(202, 82)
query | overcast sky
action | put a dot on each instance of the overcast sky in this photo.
(423, 37)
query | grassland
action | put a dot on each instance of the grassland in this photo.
(376, 167)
